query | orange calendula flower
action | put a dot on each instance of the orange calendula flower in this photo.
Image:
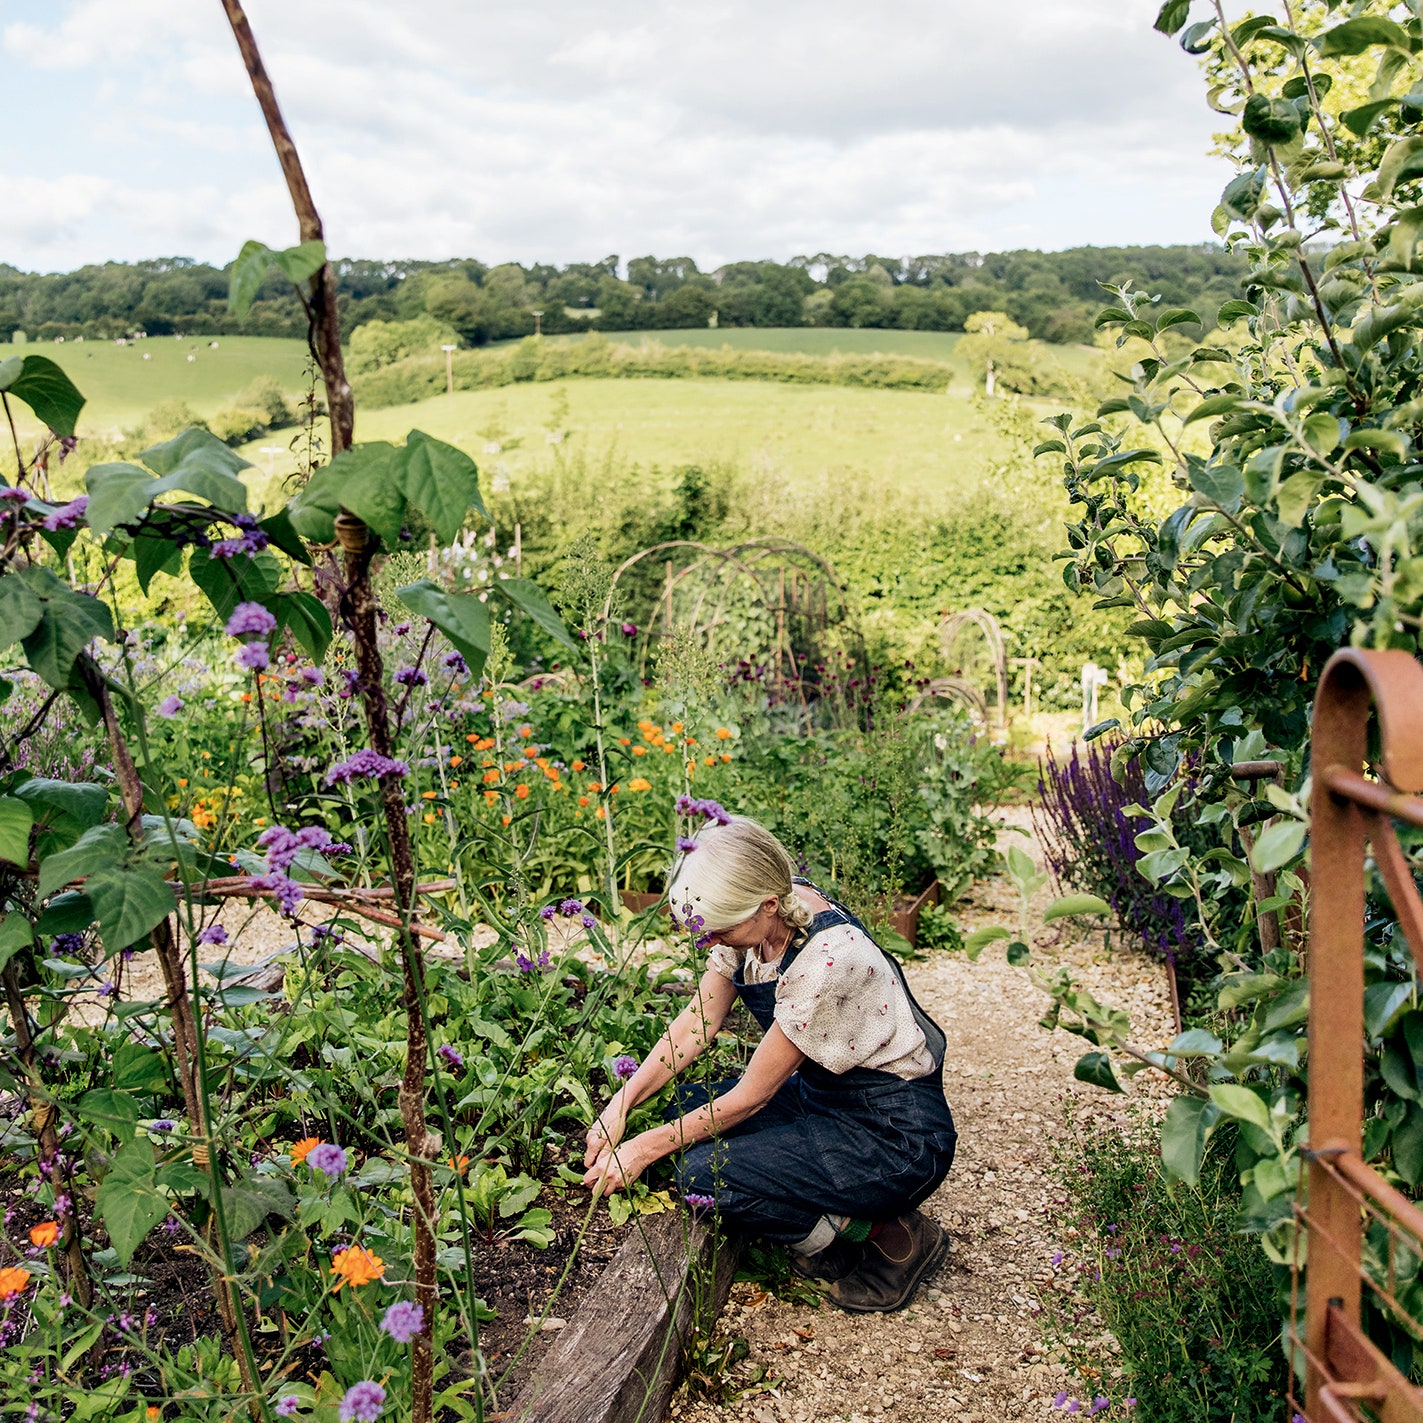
(513, 765)
(595, 785)
(578, 765)
(462, 1165)
(639, 783)
(245, 697)
(13, 1281)
(485, 745)
(303, 1148)
(722, 734)
(625, 741)
(504, 820)
(182, 780)
(430, 819)
(153, 1411)
(541, 762)
(583, 800)
(668, 748)
(711, 760)
(427, 795)
(455, 785)
(531, 752)
(491, 797)
(356, 1266)
(602, 814)
(490, 777)
(726, 756)
(639, 750)
(677, 728)
(526, 731)
(522, 792)
(472, 737)
(260, 820)
(45, 1233)
(455, 761)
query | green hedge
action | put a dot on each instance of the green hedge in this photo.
(420, 377)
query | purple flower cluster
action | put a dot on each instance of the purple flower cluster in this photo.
(213, 934)
(287, 892)
(527, 965)
(286, 1405)
(456, 664)
(365, 764)
(283, 845)
(629, 629)
(570, 907)
(251, 539)
(67, 516)
(250, 619)
(169, 707)
(450, 1055)
(362, 1403)
(624, 1067)
(253, 657)
(403, 1321)
(690, 807)
(685, 845)
(66, 943)
(699, 1203)
(411, 677)
(328, 1158)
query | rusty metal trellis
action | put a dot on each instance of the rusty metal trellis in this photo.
(1347, 1377)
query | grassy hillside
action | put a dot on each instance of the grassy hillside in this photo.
(122, 383)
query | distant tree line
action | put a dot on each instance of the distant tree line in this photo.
(1054, 295)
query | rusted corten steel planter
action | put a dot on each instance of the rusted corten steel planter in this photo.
(1346, 1376)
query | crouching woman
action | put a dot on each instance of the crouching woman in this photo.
(838, 1129)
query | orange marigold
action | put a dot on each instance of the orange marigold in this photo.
(430, 819)
(427, 795)
(303, 1149)
(583, 800)
(531, 752)
(472, 738)
(522, 791)
(491, 797)
(356, 1266)
(13, 1281)
(578, 765)
(504, 820)
(526, 731)
(625, 741)
(677, 728)
(711, 760)
(639, 783)
(639, 750)
(45, 1233)
(455, 761)
(726, 756)
(491, 777)
(485, 744)
(722, 734)
(462, 1165)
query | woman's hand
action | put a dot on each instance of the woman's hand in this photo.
(608, 1130)
(616, 1168)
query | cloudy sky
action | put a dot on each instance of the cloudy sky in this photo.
(557, 130)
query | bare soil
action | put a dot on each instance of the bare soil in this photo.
(969, 1346)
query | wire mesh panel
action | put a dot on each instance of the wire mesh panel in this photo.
(1364, 1238)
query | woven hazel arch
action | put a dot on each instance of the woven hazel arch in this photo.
(1347, 1377)
(800, 597)
(960, 689)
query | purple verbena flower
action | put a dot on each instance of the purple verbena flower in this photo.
(169, 707)
(699, 1203)
(624, 1067)
(456, 664)
(66, 943)
(253, 656)
(17, 496)
(365, 763)
(685, 845)
(403, 1321)
(286, 1405)
(629, 629)
(67, 516)
(401, 629)
(249, 619)
(570, 907)
(213, 934)
(363, 1402)
(287, 892)
(587, 921)
(163, 1124)
(328, 1158)
(548, 911)
(314, 675)
(450, 1055)
(411, 677)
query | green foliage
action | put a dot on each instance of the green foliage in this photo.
(1192, 1306)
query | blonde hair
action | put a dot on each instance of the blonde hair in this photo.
(732, 869)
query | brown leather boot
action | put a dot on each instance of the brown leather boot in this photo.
(836, 1261)
(895, 1262)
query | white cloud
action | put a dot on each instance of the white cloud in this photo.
(556, 130)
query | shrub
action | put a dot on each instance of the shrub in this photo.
(1190, 1301)
(379, 344)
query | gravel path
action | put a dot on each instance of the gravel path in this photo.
(968, 1347)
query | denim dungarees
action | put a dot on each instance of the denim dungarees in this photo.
(861, 1143)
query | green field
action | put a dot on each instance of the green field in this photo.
(811, 340)
(803, 436)
(121, 386)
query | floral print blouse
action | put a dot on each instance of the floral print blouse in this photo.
(839, 1002)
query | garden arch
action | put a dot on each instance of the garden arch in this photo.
(773, 598)
(1345, 1372)
(958, 688)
